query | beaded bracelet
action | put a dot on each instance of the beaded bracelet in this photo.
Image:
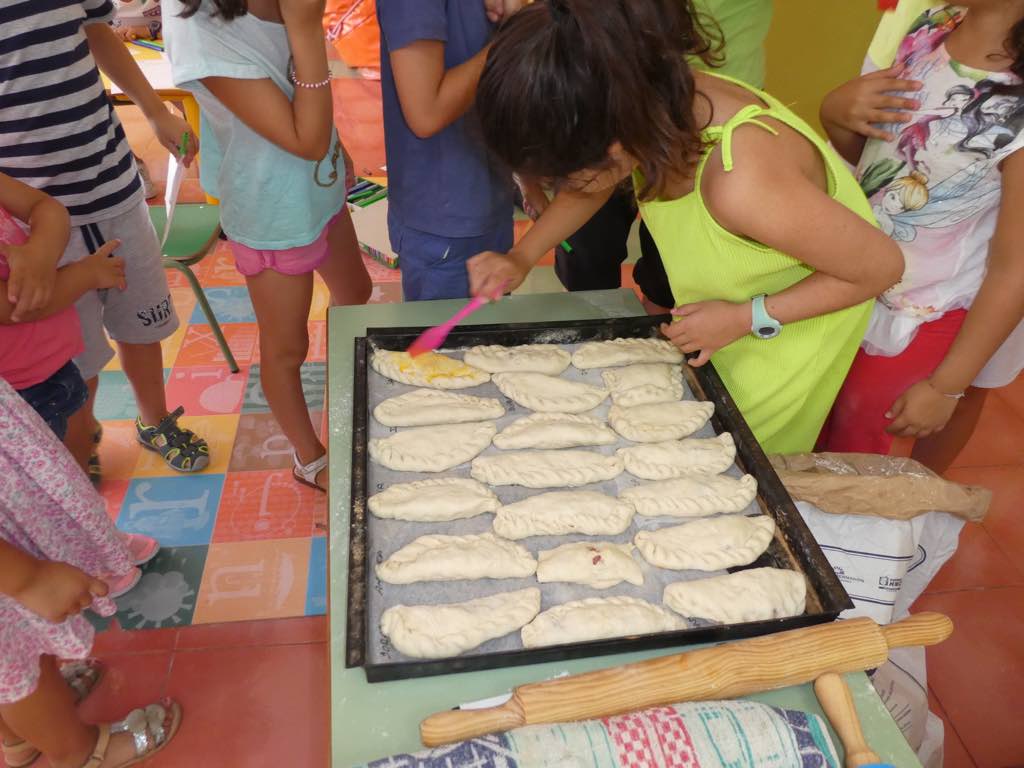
(301, 84)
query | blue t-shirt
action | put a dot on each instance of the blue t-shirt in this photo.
(268, 197)
(446, 185)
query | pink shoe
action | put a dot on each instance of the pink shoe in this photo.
(143, 548)
(125, 584)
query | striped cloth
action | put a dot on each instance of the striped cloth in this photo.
(58, 130)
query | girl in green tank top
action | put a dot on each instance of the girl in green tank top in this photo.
(769, 245)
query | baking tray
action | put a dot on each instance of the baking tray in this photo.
(793, 548)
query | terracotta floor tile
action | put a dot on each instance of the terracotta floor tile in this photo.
(1006, 515)
(267, 505)
(129, 681)
(1013, 395)
(954, 753)
(998, 439)
(118, 641)
(277, 698)
(977, 562)
(200, 346)
(978, 673)
(239, 634)
(207, 389)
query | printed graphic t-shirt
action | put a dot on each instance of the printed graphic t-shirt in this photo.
(936, 189)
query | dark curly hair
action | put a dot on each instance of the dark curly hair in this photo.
(565, 79)
(226, 9)
(1015, 49)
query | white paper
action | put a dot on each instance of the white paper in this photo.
(175, 173)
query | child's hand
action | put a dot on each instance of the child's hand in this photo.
(866, 101)
(707, 326)
(920, 411)
(106, 269)
(132, 33)
(56, 591)
(493, 274)
(169, 129)
(33, 274)
(499, 10)
(535, 200)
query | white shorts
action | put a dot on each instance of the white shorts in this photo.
(143, 312)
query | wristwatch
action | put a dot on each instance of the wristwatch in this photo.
(763, 325)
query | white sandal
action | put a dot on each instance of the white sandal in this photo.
(306, 473)
(149, 729)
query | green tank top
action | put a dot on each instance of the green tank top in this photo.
(784, 386)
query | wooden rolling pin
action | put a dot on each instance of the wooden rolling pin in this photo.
(837, 702)
(719, 672)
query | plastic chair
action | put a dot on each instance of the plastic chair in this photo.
(194, 232)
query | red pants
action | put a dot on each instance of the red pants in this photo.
(857, 422)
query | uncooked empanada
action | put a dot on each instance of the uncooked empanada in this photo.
(644, 383)
(450, 558)
(448, 629)
(708, 544)
(535, 358)
(427, 370)
(680, 458)
(546, 469)
(554, 430)
(549, 394)
(432, 449)
(597, 618)
(692, 496)
(562, 512)
(598, 564)
(756, 594)
(658, 422)
(616, 352)
(437, 500)
(426, 407)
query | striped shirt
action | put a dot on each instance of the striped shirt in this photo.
(58, 130)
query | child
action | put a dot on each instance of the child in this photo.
(57, 547)
(61, 136)
(37, 347)
(272, 157)
(447, 200)
(767, 241)
(936, 139)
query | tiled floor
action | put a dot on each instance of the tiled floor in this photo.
(255, 692)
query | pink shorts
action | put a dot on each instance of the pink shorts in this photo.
(300, 260)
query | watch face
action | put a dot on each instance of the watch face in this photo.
(768, 331)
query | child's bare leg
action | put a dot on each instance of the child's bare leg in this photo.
(939, 451)
(282, 304)
(79, 437)
(143, 364)
(343, 269)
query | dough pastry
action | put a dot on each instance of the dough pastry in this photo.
(680, 458)
(609, 354)
(658, 422)
(432, 449)
(644, 383)
(752, 595)
(425, 407)
(439, 631)
(554, 430)
(599, 564)
(536, 358)
(436, 557)
(597, 618)
(427, 370)
(692, 496)
(549, 394)
(546, 469)
(561, 512)
(437, 500)
(708, 544)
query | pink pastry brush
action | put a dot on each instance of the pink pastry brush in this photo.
(432, 338)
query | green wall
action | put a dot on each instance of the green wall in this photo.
(813, 46)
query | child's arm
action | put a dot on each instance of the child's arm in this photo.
(851, 112)
(998, 308)
(51, 590)
(115, 61)
(304, 124)
(33, 264)
(98, 271)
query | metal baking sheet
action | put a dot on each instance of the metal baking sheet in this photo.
(375, 539)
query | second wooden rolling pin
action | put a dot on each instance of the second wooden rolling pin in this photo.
(719, 672)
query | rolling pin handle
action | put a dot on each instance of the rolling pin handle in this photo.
(837, 703)
(928, 628)
(461, 724)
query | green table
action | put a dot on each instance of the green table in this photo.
(373, 721)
